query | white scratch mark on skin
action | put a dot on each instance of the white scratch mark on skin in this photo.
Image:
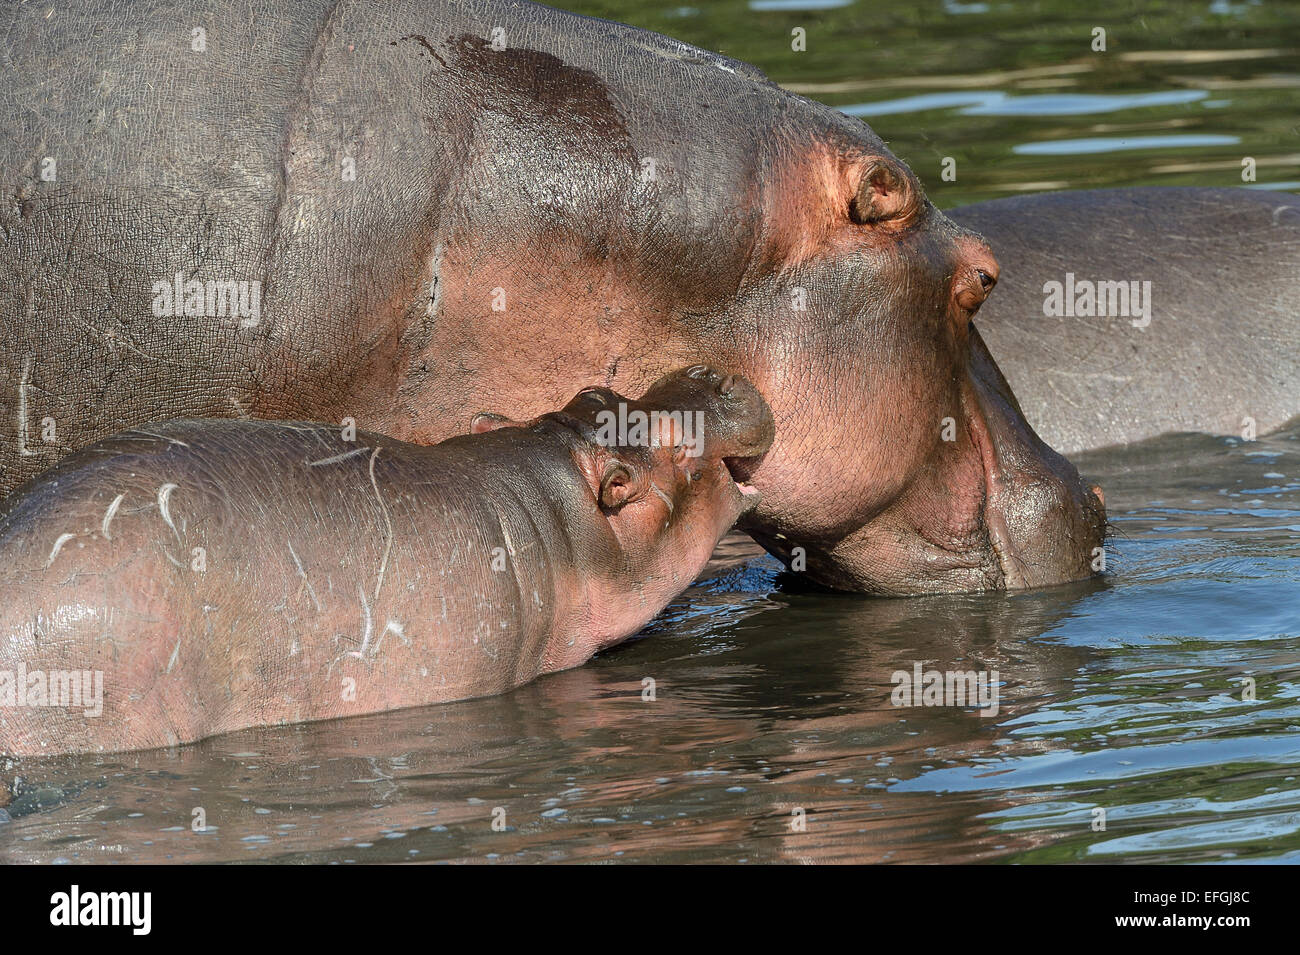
(510, 545)
(369, 626)
(1051, 384)
(366, 652)
(23, 382)
(1091, 375)
(112, 340)
(164, 494)
(663, 497)
(109, 514)
(340, 457)
(514, 565)
(176, 651)
(160, 437)
(303, 574)
(1281, 209)
(392, 626)
(388, 542)
(58, 545)
(435, 274)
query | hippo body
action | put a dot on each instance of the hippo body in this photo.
(1217, 349)
(418, 209)
(222, 574)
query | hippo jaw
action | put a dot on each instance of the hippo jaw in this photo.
(989, 508)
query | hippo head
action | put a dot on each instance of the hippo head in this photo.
(678, 207)
(903, 463)
(660, 470)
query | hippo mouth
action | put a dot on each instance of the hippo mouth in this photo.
(741, 471)
(1006, 501)
(997, 536)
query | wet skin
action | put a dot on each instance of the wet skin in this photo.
(227, 574)
(1218, 345)
(441, 226)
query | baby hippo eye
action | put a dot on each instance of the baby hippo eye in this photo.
(594, 394)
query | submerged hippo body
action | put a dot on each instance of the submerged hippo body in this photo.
(451, 206)
(225, 574)
(1215, 345)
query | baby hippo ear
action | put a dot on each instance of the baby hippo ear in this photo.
(487, 421)
(622, 484)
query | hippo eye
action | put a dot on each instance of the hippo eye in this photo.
(593, 394)
(884, 192)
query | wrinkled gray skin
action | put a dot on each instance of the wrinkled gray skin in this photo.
(224, 574)
(586, 204)
(1223, 343)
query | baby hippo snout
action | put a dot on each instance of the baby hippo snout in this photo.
(738, 423)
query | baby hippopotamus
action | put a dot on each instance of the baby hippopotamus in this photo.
(212, 575)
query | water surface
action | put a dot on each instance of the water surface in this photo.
(1122, 694)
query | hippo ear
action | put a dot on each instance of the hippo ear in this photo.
(622, 484)
(491, 422)
(884, 192)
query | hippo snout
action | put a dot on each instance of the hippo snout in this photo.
(738, 422)
(755, 427)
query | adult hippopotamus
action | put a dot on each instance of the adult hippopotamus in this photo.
(210, 575)
(1204, 338)
(402, 213)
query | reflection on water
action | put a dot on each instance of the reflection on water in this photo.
(1016, 95)
(1114, 144)
(993, 103)
(1123, 695)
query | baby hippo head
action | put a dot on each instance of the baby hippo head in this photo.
(667, 471)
